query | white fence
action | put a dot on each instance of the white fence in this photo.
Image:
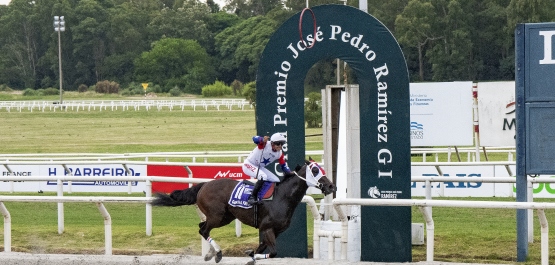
(124, 105)
(424, 206)
(465, 154)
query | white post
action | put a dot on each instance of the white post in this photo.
(60, 187)
(148, 191)
(545, 237)
(530, 195)
(363, 5)
(107, 228)
(7, 228)
(238, 228)
(476, 123)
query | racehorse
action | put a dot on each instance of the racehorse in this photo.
(272, 218)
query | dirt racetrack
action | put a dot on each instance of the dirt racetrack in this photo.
(14, 258)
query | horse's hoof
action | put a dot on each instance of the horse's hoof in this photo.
(252, 262)
(249, 253)
(219, 256)
(210, 254)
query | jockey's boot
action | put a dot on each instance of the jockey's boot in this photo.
(253, 198)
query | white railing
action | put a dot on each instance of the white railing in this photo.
(125, 105)
(60, 199)
(240, 155)
(424, 208)
(459, 152)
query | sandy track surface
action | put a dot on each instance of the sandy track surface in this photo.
(14, 258)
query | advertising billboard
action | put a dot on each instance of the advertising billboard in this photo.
(496, 113)
(441, 114)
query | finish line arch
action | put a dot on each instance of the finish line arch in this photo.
(374, 55)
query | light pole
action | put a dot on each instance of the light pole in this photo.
(59, 26)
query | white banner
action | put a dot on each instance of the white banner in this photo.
(77, 171)
(496, 113)
(462, 185)
(441, 114)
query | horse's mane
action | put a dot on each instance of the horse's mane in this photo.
(287, 177)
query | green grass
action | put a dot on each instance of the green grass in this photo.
(126, 131)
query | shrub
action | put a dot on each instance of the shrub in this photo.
(175, 92)
(107, 87)
(51, 91)
(217, 89)
(82, 88)
(249, 92)
(30, 92)
(5, 88)
(237, 86)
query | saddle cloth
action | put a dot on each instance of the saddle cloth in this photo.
(243, 190)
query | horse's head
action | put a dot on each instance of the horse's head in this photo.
(315, 176)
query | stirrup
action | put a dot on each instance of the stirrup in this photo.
(253, 200)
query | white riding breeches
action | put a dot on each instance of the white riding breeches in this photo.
(263, 173)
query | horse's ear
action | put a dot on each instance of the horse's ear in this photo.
(298, 167)
(307, 162)
(310, 159)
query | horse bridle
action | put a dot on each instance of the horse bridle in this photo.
(315, 178)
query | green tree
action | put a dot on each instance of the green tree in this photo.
(222, 20)
(20, 45)
(313, 110)
(175, 62)
(189, 21)
(414, 28)
(252, 8)
(387, 11)
(249, 92)
(490, 44)
(127, 38)
(451, 57)
(90, 41)
(239, 48)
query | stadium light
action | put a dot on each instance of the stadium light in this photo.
(59, 26)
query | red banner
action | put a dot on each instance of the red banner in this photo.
(209, 172)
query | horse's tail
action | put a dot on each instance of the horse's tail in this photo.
(178, 197)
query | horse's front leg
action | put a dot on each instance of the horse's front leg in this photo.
(259, 249)
(268, 240)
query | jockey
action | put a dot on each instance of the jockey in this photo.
(262, 155)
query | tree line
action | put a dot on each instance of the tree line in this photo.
(187, 44)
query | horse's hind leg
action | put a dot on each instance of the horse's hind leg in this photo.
(215, 249)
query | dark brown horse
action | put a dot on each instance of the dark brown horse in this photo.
(274, 216)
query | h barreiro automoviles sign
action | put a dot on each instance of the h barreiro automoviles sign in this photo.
(108, 170)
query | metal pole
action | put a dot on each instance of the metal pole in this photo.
(60, 63)
(59, 26)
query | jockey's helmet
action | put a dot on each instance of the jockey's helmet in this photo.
(278, 137)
